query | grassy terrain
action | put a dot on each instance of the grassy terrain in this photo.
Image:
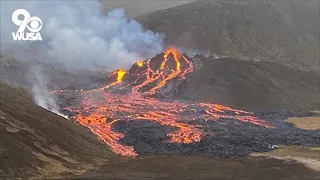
(35, 143)
(310, 123)
(310, 156)
(201, 168)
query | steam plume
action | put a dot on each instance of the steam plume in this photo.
(42, 97)
(77, 35)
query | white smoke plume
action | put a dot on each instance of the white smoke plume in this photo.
(77, 35)
(42, 97)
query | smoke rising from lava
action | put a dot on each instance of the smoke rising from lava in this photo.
(41, 93)
(78, 35)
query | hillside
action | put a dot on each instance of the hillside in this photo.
(36, 143)
(279, 31)
(201, 168)
(136, 8)
(253, 85)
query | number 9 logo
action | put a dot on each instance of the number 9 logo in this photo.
(34, 24)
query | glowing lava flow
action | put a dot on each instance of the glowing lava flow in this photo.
(162, 75)
(120, 73)
(100, 109)
(140, 63)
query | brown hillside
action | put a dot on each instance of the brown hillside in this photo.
(35, 143)
(277, 31)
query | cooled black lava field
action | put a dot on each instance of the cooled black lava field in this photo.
(224, 138)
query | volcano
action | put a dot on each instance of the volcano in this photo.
(136, 112)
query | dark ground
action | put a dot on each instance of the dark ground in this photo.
(224, 137)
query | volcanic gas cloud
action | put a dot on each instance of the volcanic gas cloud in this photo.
(131, 95)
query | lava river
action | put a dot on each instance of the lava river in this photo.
(102, 107)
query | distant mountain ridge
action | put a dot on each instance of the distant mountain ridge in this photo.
(279, 31)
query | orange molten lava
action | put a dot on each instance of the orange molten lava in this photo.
(100, 109)
(120, 73)
(140, 63)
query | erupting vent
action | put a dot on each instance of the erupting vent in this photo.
(102, 107)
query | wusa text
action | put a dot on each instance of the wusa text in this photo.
(32, 24)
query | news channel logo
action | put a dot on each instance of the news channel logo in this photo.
(32, 24)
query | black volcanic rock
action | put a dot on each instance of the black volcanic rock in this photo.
(223, 138)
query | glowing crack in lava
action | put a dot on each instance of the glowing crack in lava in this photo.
(102, 107)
